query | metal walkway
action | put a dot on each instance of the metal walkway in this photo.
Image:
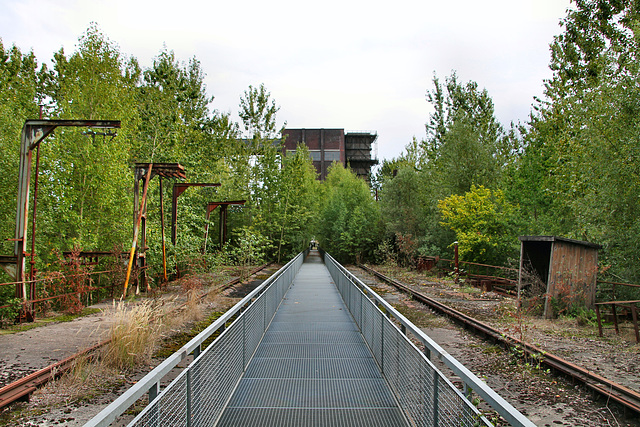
(313, 367)
(311, 346)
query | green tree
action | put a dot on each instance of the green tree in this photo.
(263, 156)
(579, 173)
(349, 224)
(300, 190)
(484, 224)
(258, 113)
(85, 178)
(174, 110)
(465, 143)
(20, 94)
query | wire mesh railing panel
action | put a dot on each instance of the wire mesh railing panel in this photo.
(391, 357)
(254, 325)
(216, 373)
(426, 397)
(200, 393)
(169, 409)
(368, 321)
(453, 409)
(356, 304)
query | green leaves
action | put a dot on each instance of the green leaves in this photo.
(258, 114)
(579, 175)
(484, 224)
(19, 96)
(350, 223)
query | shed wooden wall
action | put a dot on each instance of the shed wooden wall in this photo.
(572, 275)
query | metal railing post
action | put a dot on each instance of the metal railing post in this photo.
(153, 394)
(436, 398)
(188, 397)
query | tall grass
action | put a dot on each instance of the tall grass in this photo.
(134, 335)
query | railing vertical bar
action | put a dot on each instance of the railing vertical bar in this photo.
(189, 398)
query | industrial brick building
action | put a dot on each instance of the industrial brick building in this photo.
(334, 145)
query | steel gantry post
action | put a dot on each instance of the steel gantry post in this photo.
(33, 133)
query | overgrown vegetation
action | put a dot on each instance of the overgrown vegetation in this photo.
(573, 169)
(133, 335)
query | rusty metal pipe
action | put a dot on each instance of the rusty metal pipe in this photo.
(164, 246)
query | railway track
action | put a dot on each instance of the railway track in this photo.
(628, 398)
(21, 389)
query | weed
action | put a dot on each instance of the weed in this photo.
(9, 313)
(133, 335)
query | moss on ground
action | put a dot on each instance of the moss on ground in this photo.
(87, 311)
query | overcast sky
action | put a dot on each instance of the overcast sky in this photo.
(357, 65)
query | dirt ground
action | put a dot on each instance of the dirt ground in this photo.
(546, 399)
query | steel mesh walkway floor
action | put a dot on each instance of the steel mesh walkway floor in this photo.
(312, 367)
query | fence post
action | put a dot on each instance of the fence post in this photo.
(455, 260)
(153, 393)
(188, 397)
(435, 399)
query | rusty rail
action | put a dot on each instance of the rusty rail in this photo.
(22, 388)
(503, 285)
(625, 396)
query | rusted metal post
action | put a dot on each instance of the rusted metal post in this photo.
(33, 133)
(32, 262)
(599, 320)
(455, 261)
(164, 247)
(178, 189)
(32, 271)
(634, 314)
(210, 208)
(615, 317)
(223, 224)
(22, 210)
(136, 228)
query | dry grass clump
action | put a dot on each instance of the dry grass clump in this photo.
(193, 310)
(134, 335)
(81, 382)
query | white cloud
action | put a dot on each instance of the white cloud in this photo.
(340, 63)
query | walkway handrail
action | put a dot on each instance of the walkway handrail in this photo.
(151, 382)
(470, 380)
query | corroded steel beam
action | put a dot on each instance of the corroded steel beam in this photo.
(33, 133)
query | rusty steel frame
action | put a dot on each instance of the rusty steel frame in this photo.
(147, 171)
(33, 133)
(178, 189)
(21, 389)
(211, 206)
(629, 305)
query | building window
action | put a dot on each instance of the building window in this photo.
(332, 156)
(315, 155)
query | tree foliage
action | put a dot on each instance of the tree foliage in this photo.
(579, 175)
(85, 177)
(349, 222)
(19, 97)
(484, 224)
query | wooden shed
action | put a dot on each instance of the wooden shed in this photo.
(566, 268)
